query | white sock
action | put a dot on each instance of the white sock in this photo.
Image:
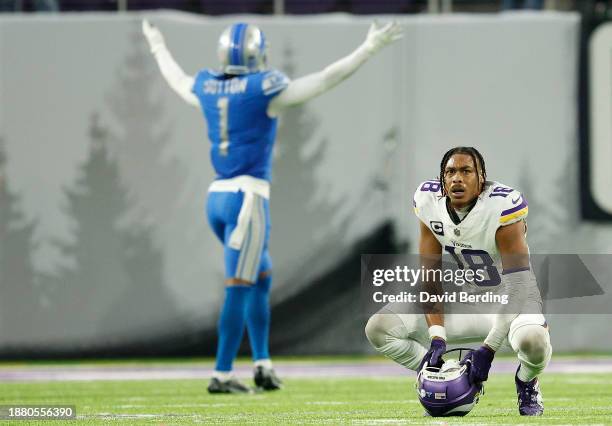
(222, 376)
(524, 375)
(265, 363)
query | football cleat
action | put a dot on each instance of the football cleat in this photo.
(266, 379)
(230, 386)
(530, 401)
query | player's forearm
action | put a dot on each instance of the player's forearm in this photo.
(434, 312)
(174, 75)
(499, 331)
(435, 324)
(308, 87)
(340, 70)
(518, 282)
(430, 260)
(312, 85)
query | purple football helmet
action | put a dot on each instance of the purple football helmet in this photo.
(447, 391)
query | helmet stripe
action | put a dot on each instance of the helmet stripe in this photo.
(241, 50)
(230, 48)
(237, 37)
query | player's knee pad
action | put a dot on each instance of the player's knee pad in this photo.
(532, 343)
(380, 327)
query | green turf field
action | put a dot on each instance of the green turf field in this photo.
(569, 399)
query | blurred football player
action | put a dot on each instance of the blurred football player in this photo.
(241, 102)
(483, 223)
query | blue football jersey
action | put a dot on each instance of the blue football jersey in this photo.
(241, 133)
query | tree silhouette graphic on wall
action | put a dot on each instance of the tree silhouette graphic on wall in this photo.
(554, 224)
(302, 216)
(142, 138)
(159, 183)
(293, 196)
(116, 285)
(21, 308)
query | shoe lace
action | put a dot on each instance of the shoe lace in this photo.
(530, 393)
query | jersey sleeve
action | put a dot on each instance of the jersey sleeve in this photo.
(198, 83)
(273, 82)
(424, 196)
(513, 208)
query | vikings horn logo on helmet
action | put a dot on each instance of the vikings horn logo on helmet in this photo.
(447, 391)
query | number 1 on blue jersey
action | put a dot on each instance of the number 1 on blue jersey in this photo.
(223, 105)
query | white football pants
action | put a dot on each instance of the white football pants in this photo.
(405, 338)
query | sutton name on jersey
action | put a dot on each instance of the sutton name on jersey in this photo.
(232, 86)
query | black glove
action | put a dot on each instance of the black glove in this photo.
(433, 357)
(480, 360)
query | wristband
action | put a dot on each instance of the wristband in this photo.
(437, 331)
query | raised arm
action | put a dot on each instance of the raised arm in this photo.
(180, 82)
(309, 86)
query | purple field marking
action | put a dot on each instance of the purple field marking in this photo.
(290, 370)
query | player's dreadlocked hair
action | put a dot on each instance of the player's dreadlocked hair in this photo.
(468, 150)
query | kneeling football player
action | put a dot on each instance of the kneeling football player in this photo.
(464, 215)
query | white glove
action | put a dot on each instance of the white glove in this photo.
(153, 35)
(381, 36)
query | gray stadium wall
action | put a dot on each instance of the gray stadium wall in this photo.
(104, 245)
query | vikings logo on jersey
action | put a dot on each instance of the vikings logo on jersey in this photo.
(471, 241)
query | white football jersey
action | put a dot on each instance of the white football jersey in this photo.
(471, 242)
